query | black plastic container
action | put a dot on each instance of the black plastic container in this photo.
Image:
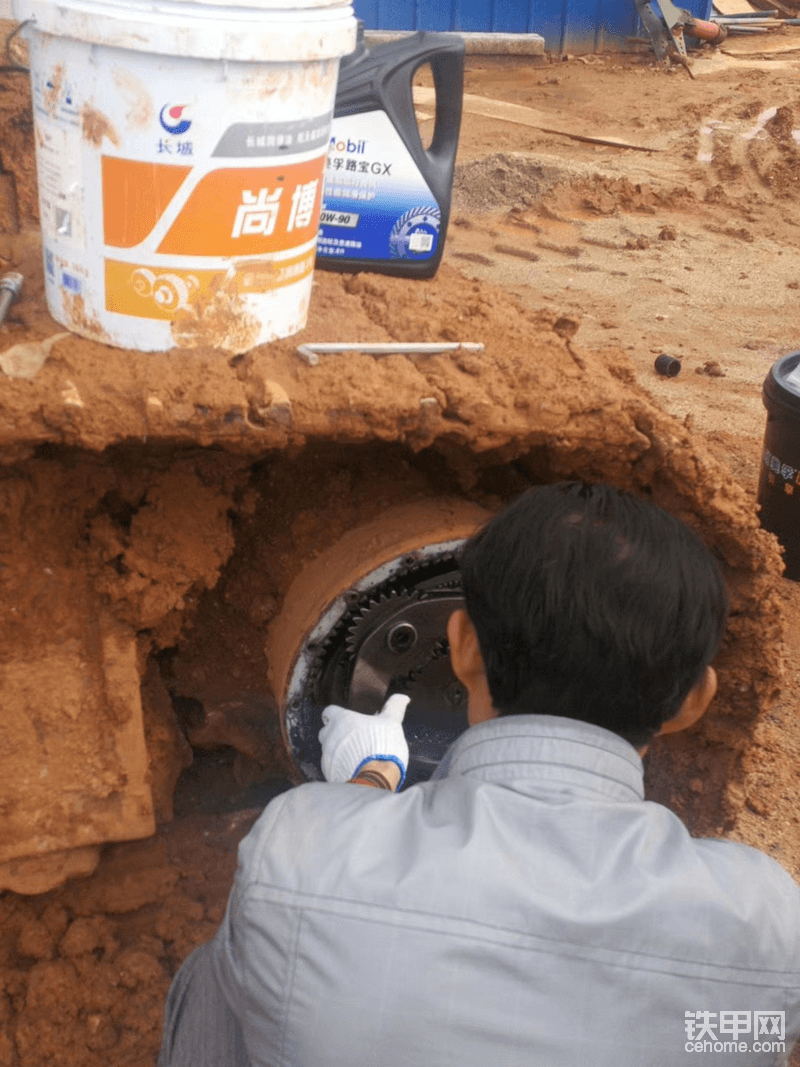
(386, 201)
(779, 484)
(667, 366)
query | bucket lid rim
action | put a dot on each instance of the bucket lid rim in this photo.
(237, 31)
(776, 383)
(125, 9)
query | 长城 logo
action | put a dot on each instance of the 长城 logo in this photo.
(171, 118)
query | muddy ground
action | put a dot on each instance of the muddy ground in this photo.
(574, 250)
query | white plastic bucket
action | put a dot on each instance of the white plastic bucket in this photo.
(180, 152)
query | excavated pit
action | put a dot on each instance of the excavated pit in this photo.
(309, 502)
(163, 552)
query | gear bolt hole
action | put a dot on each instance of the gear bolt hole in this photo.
(401, 637)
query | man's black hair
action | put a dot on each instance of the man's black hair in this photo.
(592, 604)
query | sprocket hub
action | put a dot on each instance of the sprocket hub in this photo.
(390, 637)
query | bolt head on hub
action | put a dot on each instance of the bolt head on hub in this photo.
(402, 637)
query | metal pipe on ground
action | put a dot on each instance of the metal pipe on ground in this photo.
(487, 44)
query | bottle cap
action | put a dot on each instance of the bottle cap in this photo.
(667, 366)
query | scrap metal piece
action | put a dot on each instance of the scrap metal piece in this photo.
(714, 32)
(671, 27)
(675, 19)
(656, 30)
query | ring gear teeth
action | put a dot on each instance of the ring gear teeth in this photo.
(444, 583)
(377, 666)
(437, 713)
(448, 579)
(372, 614)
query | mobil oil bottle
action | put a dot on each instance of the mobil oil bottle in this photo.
(386, 199)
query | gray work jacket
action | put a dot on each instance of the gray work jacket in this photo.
(530, 908)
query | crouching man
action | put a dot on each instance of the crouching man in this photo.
(526, 907)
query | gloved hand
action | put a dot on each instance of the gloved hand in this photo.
(350, 739)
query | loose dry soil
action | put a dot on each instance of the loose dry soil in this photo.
(576, 255)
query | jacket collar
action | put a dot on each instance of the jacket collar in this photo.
(534, 751)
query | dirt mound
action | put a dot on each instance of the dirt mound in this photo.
(502, 180)
(740, 156)
(506, 180)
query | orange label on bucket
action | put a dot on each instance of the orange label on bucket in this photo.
(151, 292)
(135, 196)
(245, 211)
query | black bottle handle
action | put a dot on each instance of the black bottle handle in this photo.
(381, 77)
(448, 80)
(445, 54)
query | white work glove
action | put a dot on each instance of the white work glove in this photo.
(350, 739)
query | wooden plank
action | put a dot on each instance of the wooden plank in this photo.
(733, 7)
(760, 45)
(522, 116)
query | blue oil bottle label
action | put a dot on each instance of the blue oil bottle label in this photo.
(375, 204)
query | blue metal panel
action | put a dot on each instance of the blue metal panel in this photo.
(435, 15)
(701, 9)
(547, 18)
(472, 16)
(393, 14)
(510, 16)
(566, 25)
(580, 26)
(616, 20)
(367, 11)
